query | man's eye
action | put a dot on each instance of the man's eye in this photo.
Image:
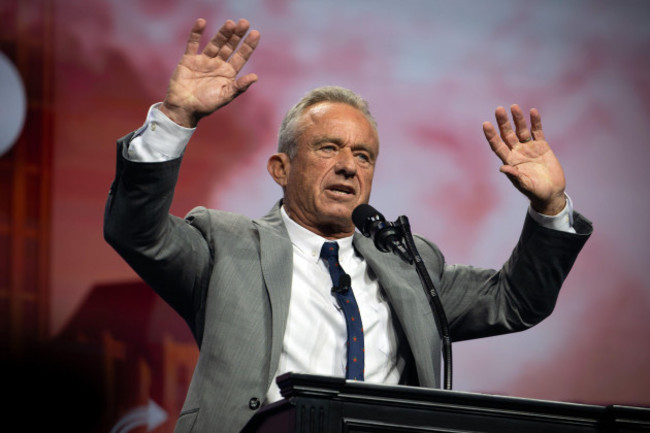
(363, 157)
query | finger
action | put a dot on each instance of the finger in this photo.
(220, 39)
(536, 124)
(239, 59)
(523, 134)
(515, 176)
(496, 144)
(192, 46)
(507, 134)
(511, 171)
(231, 43)
(243, 83)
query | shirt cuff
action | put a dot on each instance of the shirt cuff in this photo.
(158, 140)
(562, 221)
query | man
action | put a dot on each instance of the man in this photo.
(257, 293)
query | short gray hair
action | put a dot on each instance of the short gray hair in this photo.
(289, 131)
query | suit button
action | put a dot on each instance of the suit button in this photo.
(254, 403)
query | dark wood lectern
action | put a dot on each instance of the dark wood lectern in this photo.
(317, 404)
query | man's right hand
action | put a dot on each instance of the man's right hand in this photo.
(203, 82)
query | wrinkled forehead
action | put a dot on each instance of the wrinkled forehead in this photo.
(333, 118)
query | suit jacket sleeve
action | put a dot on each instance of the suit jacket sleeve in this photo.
(169, 254)
(485, 302)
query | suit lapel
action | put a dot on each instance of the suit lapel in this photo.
(402, 286)
(276, 257)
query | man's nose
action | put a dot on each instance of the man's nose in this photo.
(345, 163)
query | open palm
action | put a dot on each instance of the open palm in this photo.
(203, 82)
(528, 160)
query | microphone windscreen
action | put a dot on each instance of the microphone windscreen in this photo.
(361, 214)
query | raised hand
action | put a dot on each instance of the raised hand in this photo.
(529, 162)
(203, 82)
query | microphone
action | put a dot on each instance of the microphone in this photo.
(372, 224)
(397, 238)
(344, 284)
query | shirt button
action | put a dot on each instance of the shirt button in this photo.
(153, 126)
(254, 403)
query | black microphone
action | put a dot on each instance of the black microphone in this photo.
(372, 224)
(344, 284)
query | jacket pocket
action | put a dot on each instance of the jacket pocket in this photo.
(186, 421)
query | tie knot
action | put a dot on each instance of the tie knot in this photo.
(330, 249)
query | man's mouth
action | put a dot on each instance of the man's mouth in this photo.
(341, 190)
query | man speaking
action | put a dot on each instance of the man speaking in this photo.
(298, 290)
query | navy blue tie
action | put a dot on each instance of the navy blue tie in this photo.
(345, 298)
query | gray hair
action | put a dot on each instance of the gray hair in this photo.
(289, 131)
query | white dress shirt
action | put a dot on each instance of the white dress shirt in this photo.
(316, 335)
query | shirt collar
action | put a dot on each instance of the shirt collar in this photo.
(310, 244)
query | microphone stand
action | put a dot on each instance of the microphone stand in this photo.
(404, 227)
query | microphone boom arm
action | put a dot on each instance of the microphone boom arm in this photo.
(432, 295)
(397, 237)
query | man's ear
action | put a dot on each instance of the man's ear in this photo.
(279, 166)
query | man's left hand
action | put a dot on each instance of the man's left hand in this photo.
(528, 160)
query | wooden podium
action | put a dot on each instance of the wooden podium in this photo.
(317, 404)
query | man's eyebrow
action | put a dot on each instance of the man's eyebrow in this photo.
(367, 147)
(340, 142)
(327, 139)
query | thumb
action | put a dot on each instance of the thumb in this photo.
(243, 83)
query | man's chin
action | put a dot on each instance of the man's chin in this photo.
(341, 213)
(338, 221)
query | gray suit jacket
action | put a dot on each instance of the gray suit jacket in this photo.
(230, 277)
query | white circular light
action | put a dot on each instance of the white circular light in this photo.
(13, 104)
